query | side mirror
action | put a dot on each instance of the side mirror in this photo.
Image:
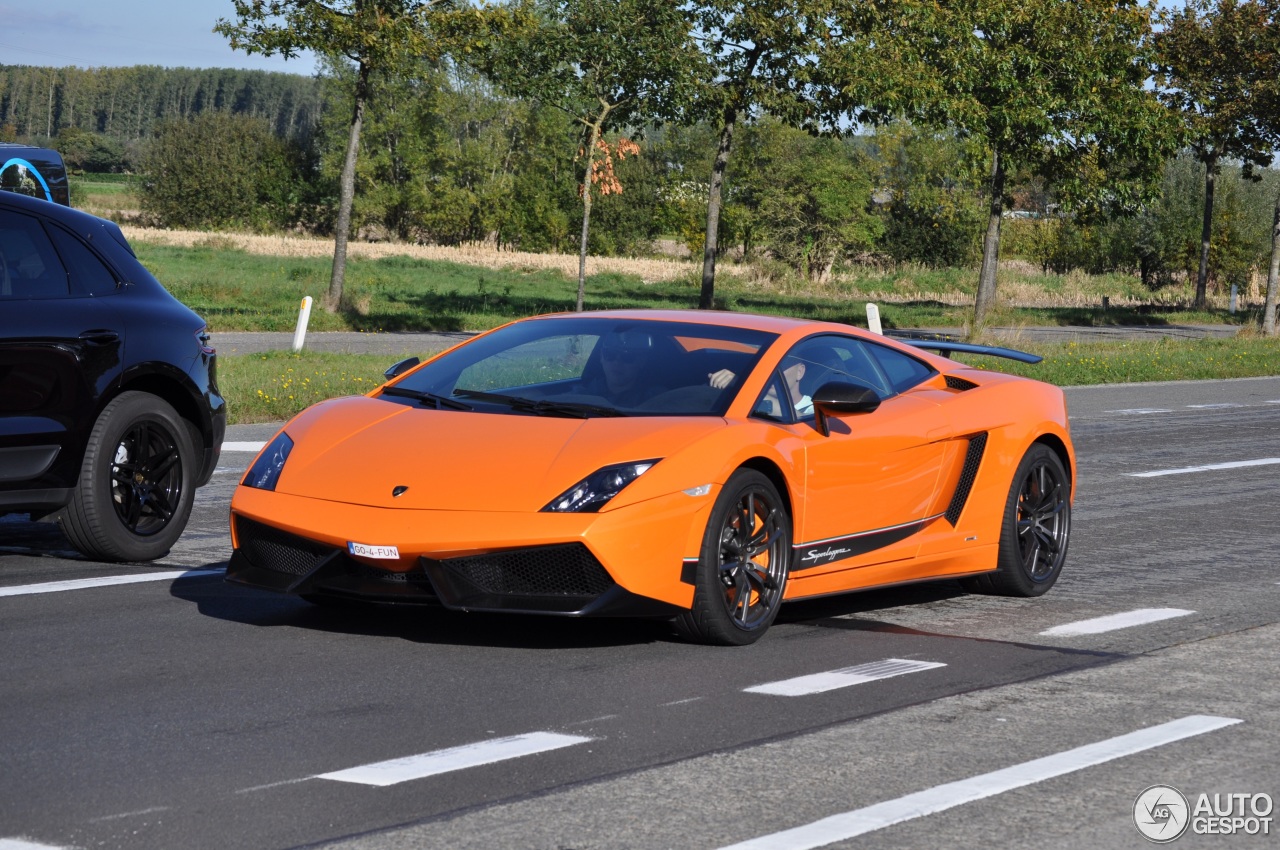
(838, 397)
(401, 367)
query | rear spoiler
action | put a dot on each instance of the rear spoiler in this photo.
(946, 347)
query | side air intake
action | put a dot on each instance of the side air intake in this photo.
(972, 460)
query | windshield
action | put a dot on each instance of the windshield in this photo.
(591, 366)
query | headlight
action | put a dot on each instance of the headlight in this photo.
(593, 492)
(265, 471)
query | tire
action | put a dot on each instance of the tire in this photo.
(137, 482)
(1035, 531)
(740, 578)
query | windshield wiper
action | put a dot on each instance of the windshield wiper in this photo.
(440, 402)
(542, 407)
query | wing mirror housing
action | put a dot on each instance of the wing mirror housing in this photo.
(400, 367)
(837, 397)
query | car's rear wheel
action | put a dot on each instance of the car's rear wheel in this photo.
(136, 484)
(742, 572)
(1036, 528)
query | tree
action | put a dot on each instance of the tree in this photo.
(375, 35)
(1216, 57)
(808, 197)
(1054, 88)
(605, 63)
(764, 54)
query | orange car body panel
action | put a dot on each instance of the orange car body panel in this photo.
(477, 482)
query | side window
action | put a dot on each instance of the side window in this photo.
(771, 404)
(29, 266)
(89, 275)
(903, 371)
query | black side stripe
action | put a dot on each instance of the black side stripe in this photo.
(972, 460)
(806, 556)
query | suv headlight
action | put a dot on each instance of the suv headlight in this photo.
(594, 492)
(265, 471)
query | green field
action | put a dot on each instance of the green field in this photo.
(238, 291)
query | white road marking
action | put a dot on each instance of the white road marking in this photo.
(1140, 411)
(694, 699)
(1210, 467)
(149, 811)
(848, 825)
(274, 785)
(104, 581)
(818, 683)
(1112, 622)
(1220, 406)
(242, 447)
(391, 772)
(23, 844)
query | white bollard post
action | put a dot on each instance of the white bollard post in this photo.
(873, 319)
(304, 316)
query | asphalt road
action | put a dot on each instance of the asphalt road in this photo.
(181, 712)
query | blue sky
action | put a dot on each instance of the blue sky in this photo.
(172, 33)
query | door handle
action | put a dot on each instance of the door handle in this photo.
(100, 337)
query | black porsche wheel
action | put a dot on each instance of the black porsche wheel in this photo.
(1036, 528)
(136, 483)
(742, 572)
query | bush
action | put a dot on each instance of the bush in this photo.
(220, 170)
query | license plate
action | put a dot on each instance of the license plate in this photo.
(364, 550)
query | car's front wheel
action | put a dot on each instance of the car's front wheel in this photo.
(136, 484)
(1036, 528)
(742, 572)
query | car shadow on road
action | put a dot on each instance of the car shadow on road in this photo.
(427, 624)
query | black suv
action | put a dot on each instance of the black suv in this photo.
(110, 415)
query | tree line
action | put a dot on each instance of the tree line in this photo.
(125, 105)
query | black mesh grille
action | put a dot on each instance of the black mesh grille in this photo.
(279, 551)
(972, 459)
(568, 570)
(959, 383)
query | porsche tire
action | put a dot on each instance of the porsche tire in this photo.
(741, 574)
(137, 482)
(1035, 531)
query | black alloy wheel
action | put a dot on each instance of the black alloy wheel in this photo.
(136, 484)
(1036, 528)
(742, 574)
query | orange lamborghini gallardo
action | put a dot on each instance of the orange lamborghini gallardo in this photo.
(704, 467)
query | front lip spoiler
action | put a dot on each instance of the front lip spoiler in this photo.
(617, 601)
(337, 575)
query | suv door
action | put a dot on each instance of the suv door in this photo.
(61, 349)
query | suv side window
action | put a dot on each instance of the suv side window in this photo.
(29, 265)
(89, 275)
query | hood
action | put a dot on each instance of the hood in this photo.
(358, 450)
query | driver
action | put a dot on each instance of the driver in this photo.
(624, 360)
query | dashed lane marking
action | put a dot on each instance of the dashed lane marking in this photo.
(1226, 405)
(848, 825)
(818, 683)
(392, 772)
(1112, 622)
(103, 581)
(1140, 411)
(23, 844)
(242, 447)
(1209, 467)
